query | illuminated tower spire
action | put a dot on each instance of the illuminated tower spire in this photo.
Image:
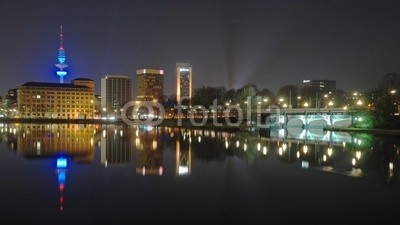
(61, 65)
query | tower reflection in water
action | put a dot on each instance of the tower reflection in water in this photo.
(143, 148)
(61, 177)
(59, 141)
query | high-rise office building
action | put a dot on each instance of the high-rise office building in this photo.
(150, 85)
(115, 93)
(321, 85)
(183, 81)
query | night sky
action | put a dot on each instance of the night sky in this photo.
(228, 43)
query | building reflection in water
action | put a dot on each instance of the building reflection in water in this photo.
(61, 141)
(331, 152)
(43, 140)
(116, 145)
(183, 157)
(149, 151)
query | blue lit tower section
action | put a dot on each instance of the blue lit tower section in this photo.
(61, 65)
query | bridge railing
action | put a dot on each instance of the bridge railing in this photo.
(312, 110)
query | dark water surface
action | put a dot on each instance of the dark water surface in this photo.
(107, 174)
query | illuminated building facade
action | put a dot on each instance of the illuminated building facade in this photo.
(321, 85)
(183, 81)
(84, 82)
(54, 100)
(150, 85)
(115, 93)
(61, 65)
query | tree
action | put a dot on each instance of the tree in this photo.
(266, 94)
(205, 95)
(386, 105)
(308, 95)
(288, 94)
(229, 96)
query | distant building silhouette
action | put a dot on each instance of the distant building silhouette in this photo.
(322, 85)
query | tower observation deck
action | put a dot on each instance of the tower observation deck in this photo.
(61, 65)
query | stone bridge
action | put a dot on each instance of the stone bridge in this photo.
(306, 118)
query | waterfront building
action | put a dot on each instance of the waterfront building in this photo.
(115, 93)
(150, 85)
(54, 100)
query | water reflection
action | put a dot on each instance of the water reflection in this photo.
(116, 145)
(61, 177)
(144, 147)
(50, 140)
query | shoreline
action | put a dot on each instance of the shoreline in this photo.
(170, 122)
(364, 130)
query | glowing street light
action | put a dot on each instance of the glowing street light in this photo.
(359, 102)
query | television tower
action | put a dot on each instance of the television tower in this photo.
(61, 65)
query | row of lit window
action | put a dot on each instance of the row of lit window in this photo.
(52, 101)
(72, 90)
(50, 107)
(52, 97)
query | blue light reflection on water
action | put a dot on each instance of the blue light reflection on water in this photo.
(222, 181)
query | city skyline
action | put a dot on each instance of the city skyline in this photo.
(228, 43)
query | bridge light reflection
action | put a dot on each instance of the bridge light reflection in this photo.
(329, 151)
(264, 150)
(358, 155)
(305, 149)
